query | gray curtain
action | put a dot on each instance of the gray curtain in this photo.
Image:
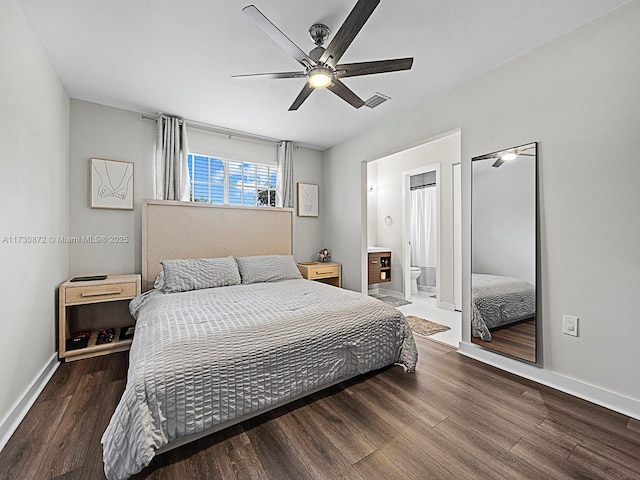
(284, 181)
(172, 168)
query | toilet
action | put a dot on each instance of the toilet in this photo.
(415, 273)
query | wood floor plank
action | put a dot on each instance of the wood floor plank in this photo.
(65, 380)
(488, 387)
(391, 393)
(450, 400)
(517, 340)
(343, 434)
(376, 430)
(276, 454)
(94, 466)
(75, 428)
(454, 418)
(377, 465)
(417, 463)
(609, 444)
(23, 453)
(446, 454)
(553, 465)
(602, 466)
(320, 455)
(228, 455)
(482, 447)
(72, 475)
(550, 439)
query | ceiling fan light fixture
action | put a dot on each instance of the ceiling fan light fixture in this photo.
(506, 156)
(319, 77)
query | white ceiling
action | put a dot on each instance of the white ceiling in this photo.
(178, 56)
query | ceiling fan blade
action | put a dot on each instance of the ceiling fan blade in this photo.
(345, 93)
(302, 96)
(277, 36)
(348, 31)
(486, 157)
(369, 68)
(274, 75)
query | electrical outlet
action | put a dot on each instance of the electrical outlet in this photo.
(570, 325)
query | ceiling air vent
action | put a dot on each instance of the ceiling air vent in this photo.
(376, 100)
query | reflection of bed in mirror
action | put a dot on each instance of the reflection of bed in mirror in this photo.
(498, 301)
(504, 204)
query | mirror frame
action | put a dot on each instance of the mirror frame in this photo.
(538, 323)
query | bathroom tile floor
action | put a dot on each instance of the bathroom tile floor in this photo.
(423, 305)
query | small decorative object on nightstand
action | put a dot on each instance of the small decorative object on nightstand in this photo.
(93, 314)
(325, 272)
(324, 255)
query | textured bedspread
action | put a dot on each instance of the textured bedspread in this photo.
(205, 357)
(499, 301)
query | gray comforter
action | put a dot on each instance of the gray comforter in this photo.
(205, 357)
(498, 301)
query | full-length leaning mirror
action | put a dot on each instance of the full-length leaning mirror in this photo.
(503, 251)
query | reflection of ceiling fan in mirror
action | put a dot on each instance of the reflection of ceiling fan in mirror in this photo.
(321, 67)
(508, 155)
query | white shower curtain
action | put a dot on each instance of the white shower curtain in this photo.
(423, 227)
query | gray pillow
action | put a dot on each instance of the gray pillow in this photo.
(159, 282)
(197, 273)
(268, 268)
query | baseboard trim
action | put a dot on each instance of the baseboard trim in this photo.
(11, 421)
(446, 306)
(611, 400)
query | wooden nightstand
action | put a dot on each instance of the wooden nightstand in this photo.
(92, 306)
(327, 272)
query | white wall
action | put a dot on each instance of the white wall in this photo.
(578, 96)
(34, 121)
(97, 131)
(106, 132)
(372, 205)
(503, 223)
(307, 231)
(444, 151)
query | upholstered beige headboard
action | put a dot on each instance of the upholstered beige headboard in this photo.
(173, 230)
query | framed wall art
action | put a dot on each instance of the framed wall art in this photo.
(111, 184)
(307, 200)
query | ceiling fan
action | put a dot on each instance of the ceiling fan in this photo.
(321, 67)
(508, 155)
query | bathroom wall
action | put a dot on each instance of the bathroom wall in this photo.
(390, 202)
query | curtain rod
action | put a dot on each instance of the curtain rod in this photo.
(221, 131)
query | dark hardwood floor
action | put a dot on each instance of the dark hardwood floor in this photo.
(517, 340)
(454, 419)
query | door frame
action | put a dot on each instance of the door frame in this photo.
(406, 235)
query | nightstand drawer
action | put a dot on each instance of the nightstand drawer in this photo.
(321, 271)
(100, 293)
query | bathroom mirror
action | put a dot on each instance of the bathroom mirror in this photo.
(503, 252)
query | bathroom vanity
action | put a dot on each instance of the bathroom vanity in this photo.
(379, 265)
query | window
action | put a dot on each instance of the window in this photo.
(228, 182)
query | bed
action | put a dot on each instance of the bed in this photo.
(211, 351)
(498, 301)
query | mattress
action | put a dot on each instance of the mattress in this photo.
(499, 301)
(206, 357)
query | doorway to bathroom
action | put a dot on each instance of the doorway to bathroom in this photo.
(386, 229)
(422, 231)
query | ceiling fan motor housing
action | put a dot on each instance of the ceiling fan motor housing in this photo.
(319, 33)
